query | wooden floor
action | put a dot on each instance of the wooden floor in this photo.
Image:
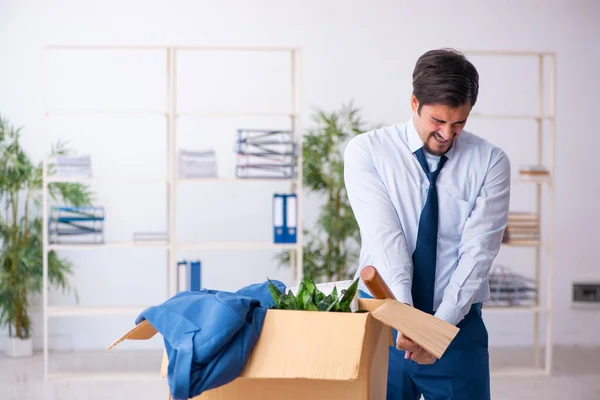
(576, 376)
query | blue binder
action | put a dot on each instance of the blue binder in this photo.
(195, 276)
(285, 216)
(189, 276)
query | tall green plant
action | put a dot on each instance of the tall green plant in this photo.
(21, 268)
(332, 246)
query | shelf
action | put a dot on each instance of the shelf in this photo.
(514, 309)
(236, 114)
(518, 371)
(116, 245)
(101, 376)
(511, 116)
(523, 243)
(541, 180)
(107, 179)
(237, 180)
(237, 246)
(70, 311)
(123, 112)
(516, 53)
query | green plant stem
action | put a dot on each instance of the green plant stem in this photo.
(24, 236)
(338, 200)
(14, 200)
(330, 245)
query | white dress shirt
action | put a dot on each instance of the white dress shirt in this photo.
(387, 189)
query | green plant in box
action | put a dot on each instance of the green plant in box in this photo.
(310, 298)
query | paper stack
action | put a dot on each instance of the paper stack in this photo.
(76, 225)
(197, 164)
(510, 289)
(265, 154)
(72, 166)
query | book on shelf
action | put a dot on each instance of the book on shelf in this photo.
(533, 169)
(523, 228)
(149, 236)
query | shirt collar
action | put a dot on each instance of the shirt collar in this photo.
(415, 142)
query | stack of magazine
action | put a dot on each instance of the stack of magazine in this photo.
(76, 225)
(510, 289)
(72, 166)
(197, 164)
(265, 154)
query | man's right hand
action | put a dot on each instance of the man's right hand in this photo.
(413, 350)
(407, 345)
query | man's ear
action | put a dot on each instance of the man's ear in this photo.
(414, 103)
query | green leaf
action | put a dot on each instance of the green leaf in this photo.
(334, 294)
(276, 294)
(327, 303)
(290, 301)
(310, 286)
(305, 299)
(348, 296)
(319, 296)
(302, 292)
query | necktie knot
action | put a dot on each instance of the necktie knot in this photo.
(432, 176)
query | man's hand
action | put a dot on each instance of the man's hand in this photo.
(413, 350)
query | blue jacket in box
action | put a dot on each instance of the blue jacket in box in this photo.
(209, 335)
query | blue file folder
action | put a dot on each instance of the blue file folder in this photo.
(285, 216)
(195, 278)
(189, 276)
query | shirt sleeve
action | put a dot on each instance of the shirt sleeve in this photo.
(480, 242)
(380, 228)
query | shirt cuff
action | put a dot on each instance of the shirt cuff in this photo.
(449, 312)
(403, 293)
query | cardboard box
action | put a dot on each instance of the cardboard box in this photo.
(324, 355)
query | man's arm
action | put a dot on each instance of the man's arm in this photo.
(480, 242)
(381, 232)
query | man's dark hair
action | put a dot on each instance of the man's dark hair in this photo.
(445, 76)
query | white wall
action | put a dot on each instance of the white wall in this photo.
(351, 50)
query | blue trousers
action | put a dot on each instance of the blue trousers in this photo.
(463, 371)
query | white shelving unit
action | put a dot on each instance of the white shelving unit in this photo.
(172, 245)
(542, 307)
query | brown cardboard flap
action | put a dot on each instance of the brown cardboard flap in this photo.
(142, 331)
(426, 330)
(164, 365)
(308, 345)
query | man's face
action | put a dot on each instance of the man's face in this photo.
(439, 125)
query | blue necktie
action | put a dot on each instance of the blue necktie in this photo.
(424, 257)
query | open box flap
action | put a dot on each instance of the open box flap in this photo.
(142, 331)
(426, 330)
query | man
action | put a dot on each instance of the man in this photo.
(431, 201)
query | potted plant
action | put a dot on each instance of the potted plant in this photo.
(332, 247)
(21, 270)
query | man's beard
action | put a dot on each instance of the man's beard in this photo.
(432, 136)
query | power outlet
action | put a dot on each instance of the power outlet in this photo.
(586, 293)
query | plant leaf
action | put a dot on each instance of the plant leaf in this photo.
(290, 301)
(348, 296)
(276, 294)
